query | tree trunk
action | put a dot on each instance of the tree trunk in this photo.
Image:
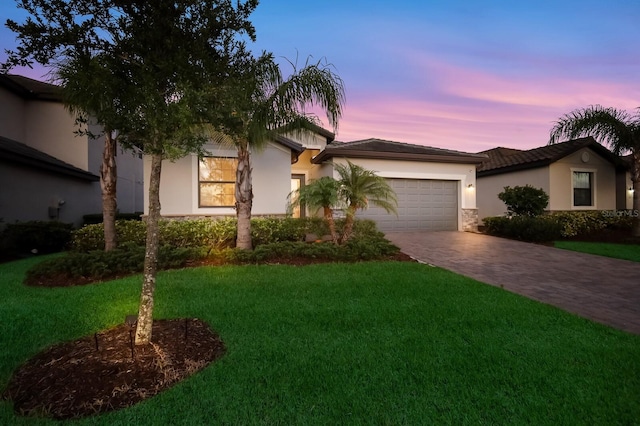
(635, 179)
(108, 182)
(145, 312)
(348, 224)
(244, 198)
(328, 216)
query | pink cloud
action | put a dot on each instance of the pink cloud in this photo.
(471, 110)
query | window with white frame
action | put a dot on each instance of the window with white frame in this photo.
(583, 189)
(217, 181)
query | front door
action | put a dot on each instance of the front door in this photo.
(297, 182)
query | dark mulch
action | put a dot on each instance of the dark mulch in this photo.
(74, 379)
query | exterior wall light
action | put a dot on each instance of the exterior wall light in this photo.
(631, 189)
(470, 186)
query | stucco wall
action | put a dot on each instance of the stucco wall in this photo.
(12, 110)
(271, 179)
(49, 121)
(490, 186)
(33, 191)
(561, 197)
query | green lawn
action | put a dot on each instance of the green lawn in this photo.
(370, 343)
(619, 251)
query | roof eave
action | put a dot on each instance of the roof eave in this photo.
(513, 168)
(13, 157)
(351, 153)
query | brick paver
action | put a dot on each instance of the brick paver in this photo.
(595, 287)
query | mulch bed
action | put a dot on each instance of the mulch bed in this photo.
(77, 379)
(74, 379)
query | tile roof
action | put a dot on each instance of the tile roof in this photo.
(28, 88)
(391, 150)
(504, 160)
(16, 152)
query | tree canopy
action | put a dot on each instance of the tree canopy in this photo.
(153, 65)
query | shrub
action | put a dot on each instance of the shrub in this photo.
(96, 265)
(583, 223)
(525, 228)
(41, 236)
(215, 234)
(91, 237)
(524, 200)
(273, 230)
(91, 219)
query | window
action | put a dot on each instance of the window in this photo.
(217, 181)
(582, 189)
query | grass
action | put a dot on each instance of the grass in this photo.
(369, 343)
(618, 251)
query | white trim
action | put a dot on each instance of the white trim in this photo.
(195, 187)
(594, 187)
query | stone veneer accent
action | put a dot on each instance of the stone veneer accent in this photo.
(470, 220)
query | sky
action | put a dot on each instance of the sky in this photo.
(462, 75)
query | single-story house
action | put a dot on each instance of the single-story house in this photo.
(435, 187)
(47, 171)
(579, 174)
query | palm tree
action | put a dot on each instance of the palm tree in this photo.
(320, 194)
(617, 128)
(261, 105)
(90, 87)
(358, 188)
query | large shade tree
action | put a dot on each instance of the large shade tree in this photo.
(264, 104)
(619, 129)
(165, 56)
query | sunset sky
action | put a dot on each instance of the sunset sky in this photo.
(464, 75)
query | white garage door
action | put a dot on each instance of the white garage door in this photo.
(430, 205)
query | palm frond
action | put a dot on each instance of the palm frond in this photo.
(616, 128)
(360, 187)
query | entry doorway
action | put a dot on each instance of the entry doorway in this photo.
(297, 182)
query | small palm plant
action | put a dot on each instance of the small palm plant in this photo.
(320, 194)
(358, 188)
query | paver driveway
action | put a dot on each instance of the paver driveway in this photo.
(600, 288)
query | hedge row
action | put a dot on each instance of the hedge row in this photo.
(129, 258)
(557, 225)
(217, 234)
(35, 237)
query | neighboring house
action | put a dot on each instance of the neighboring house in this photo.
(47, 172)
(435, 187)
(579, 174)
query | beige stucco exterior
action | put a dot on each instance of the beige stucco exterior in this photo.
(273, 170)
(464, 174)
(271, 178)
(29, 189)
(490, 186)
(556, 180)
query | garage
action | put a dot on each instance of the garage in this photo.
(423, 204)
(435, 187)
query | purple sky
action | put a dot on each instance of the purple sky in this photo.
(465, 75)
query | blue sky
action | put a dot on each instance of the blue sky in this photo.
(465, 75)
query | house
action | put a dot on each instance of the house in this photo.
(47, 171)
(435, 187)
(579, 174)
